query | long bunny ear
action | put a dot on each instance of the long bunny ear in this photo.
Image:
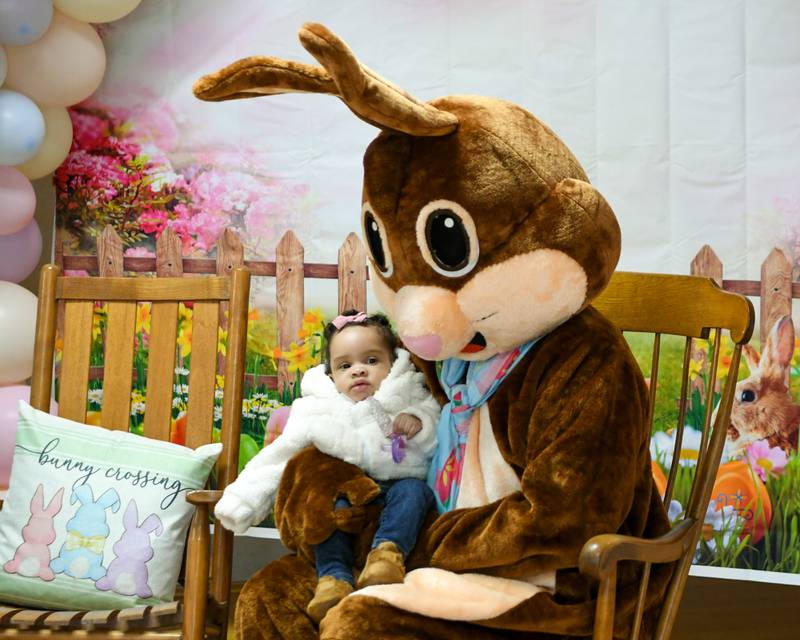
(54, 506)
(261, 75)
(130, 519)
(37, 501)
(779, 347)
(110, 498)
(369, 96)
(152, 523)
(82, 493)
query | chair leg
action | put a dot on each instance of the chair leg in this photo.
(196, 591)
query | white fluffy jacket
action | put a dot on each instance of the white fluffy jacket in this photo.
(334, 424)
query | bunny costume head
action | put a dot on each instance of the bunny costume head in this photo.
(487, 246)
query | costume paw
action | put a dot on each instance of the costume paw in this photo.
(360, 491)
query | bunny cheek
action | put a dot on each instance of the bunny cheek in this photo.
(522, 298)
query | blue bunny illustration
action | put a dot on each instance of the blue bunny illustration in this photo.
(81, 555)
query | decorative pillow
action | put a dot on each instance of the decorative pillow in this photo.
(93, 518)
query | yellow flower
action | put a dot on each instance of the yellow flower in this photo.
(299, 357)
(222, 341)
(143, 318)
(220, 382)
(184, 314)
(99, 318)
(695, 368)
(312, 323)
(262, 336)
(185, 340)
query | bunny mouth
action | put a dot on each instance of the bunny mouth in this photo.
(477, 343)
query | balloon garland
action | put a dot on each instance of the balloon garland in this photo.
(50, 58)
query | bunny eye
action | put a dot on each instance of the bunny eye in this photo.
(375, 235)
(447, 237)
(748, 395)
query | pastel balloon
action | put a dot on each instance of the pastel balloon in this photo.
(9, 414)
(55, 146)
(96, 10)
(3, 65)
(17, 201)
(17, 330)
(21, 127)
(20, 253)
(24, 21)
(62, 67)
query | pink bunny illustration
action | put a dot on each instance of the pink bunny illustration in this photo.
(764, 408)
(127, 574)
(32, 557)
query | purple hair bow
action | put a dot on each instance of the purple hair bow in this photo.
(341, 321)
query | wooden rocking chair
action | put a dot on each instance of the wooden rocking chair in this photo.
(201, 611)
(691, 307)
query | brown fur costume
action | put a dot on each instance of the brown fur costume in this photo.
(484, 233)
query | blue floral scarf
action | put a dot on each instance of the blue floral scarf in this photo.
(468, 385)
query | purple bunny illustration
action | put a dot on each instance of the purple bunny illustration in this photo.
(32, 557)
(127, 574)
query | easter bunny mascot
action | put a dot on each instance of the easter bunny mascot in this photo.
(487, 247)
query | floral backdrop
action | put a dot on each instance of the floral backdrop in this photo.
(605, 76)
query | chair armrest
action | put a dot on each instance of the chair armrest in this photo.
(600, 554)
(203, 496)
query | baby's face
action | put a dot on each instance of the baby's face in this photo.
(360, 360)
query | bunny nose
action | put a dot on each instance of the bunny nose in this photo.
(427, 347)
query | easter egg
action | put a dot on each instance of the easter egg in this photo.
(739, 487)
(177, 432)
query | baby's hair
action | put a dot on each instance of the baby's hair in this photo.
(377, 320)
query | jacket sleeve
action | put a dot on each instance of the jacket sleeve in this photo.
(575, 432)
(424, 406)
(247, 501)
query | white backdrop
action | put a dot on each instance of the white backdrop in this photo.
(685, 114)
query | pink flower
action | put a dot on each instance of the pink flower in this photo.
(152, 220)
(766, 460)
(139, 252)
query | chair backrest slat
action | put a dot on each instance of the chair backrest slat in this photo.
(150, 289)
(74, 379)
(117, 374)
(710, 388)
(202, 373)
(161, 369)
(654, 379)
(640, 602)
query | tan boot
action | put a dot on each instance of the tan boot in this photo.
(328, 594)
(385, 565)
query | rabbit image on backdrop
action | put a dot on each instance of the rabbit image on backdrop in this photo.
(81, 555)
(763, 407)
(32, 557)
(127, 574)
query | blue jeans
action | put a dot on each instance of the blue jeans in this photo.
(405, 502)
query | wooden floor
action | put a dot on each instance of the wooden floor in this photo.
(729, 610)
(733, 610)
